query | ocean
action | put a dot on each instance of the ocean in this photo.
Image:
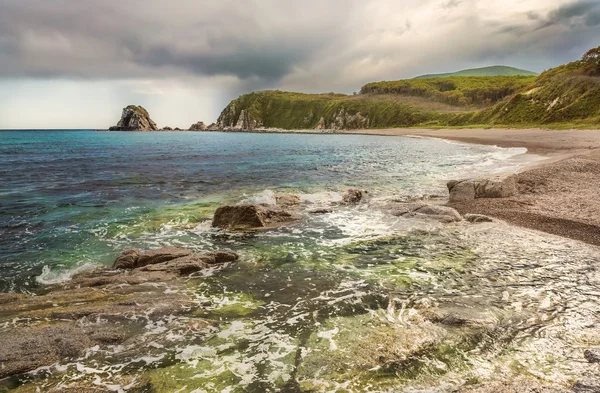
(356, 300)
(76, 198)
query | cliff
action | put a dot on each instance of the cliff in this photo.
(134, 118)
(566, 96)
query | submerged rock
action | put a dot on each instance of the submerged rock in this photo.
(251, 216)
(134, 118)
(425, 210)
(495, 187)
(353, 196)
(101, 308)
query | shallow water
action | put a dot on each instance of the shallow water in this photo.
(352, 301)
(71, 198)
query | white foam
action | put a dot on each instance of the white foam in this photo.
(51, 277)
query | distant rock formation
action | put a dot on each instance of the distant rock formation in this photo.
(200, 126)
(166, 128)
(232, 120)
(134, 118)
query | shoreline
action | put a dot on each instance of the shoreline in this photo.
(557, 195)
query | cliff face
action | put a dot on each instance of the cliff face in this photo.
(232, 119)
(134, 118)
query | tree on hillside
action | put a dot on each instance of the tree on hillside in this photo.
(591, 61)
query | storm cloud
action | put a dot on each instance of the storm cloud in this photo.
(235, 46)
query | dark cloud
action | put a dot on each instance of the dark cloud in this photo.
(309, 45)
(261, 39)
(586, 11)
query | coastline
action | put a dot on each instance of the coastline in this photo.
(557, 195)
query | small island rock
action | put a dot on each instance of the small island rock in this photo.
(135, 118)
(200, 126)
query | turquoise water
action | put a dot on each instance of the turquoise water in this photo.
(73, 198)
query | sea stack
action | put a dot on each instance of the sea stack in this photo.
(200, 126)
(134, 118)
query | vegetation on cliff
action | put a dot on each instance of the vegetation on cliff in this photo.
(565, 96)
(455, 90)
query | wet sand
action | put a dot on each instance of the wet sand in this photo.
(560, 195)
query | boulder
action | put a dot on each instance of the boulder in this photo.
(592, 355)
(287, 200)
(424, 210)
(167, 128)
(353, 196)
(477, 218)
(134, 118)
(134, 258)
(251, 216)
(192, 263)
(200, 126)
(495, 187)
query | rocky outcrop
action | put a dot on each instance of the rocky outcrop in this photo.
(495, 187)
(251, 216)
(100, 308)
(233, 120)
(424, 210)
(343, 120)
(353, 196)
(134, 118)
(200, 126)
(166, 128)
(287, 200)
(171, 259)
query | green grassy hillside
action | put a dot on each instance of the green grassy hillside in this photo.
(484, 71)
(279, 109)
(456, 90)
(565, 96)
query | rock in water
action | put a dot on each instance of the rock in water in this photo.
(353, 196)
(287, 200)
(251, 216)
(134, 118)
(131, 259)
(29, 348)
(419, 209)
(496, 187)
(200, 126)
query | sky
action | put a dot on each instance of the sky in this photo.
(77, 63)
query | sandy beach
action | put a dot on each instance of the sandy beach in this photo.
(558, 195)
